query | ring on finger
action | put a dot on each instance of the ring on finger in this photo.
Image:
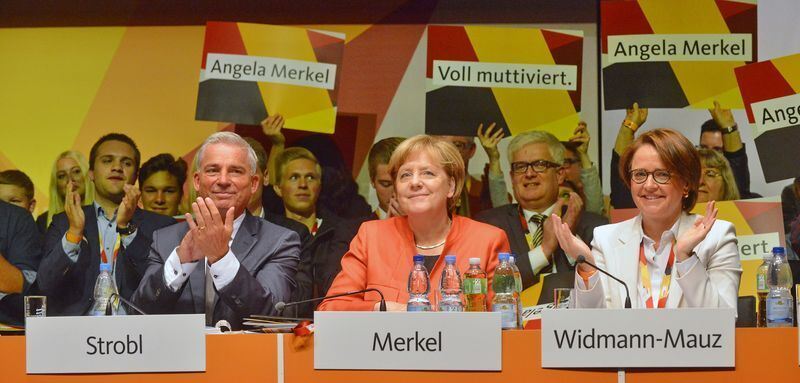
(201, 228)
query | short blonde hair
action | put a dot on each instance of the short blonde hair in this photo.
(446, 153)
(291, 154)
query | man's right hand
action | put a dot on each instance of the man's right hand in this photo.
(187, 250)
(272, 127)
(74, 211)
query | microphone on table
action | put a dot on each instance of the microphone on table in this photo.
(110, 305)
(280, 306)
(582, 259)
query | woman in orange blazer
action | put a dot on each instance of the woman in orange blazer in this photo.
(429, 177)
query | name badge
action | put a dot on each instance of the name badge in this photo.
(151, 343)
(466, 341)
(593, 338)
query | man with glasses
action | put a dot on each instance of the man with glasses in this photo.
(537, 159)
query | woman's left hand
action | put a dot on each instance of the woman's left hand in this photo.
(692, 237)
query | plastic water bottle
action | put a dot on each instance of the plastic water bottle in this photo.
(418, 286)
(505, 297)
(762, 289)
(103, 288)
(475, 286)
(512, 260)
(779, 300)
(450, 286)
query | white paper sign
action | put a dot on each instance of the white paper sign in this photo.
(137, 343)
(604, 338)
(467, 341)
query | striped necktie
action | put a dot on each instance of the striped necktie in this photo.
(536, 238)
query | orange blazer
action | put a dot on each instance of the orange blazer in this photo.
(382, 254)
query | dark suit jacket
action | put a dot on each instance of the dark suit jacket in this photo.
(70, 286)
(21, 246)
(506, 217)
(268, 255)
(321, 260)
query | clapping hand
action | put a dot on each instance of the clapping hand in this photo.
(128, 205)
(689, 239)
(74, 210)
(209, 233)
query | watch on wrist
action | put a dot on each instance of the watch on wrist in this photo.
(630, 125)
(730, 129)
(127, 230)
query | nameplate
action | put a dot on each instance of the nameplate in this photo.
(146, 343)
(593, 338)
(468, 341)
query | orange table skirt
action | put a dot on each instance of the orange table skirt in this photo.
(280, 359)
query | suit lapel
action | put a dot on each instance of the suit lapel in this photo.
(245, 238)
(626, 257)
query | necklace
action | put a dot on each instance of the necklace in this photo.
(421, 247)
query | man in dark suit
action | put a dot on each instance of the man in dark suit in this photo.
(111, 230)
(20, 254)
(536, 159)
(222, 261)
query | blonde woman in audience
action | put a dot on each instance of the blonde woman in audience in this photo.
(68, 166)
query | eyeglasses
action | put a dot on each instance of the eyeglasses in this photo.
(571, 161)
(713, 173)
(539, 166)
(659, 175)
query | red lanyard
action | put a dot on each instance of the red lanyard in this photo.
(314, 228)
(103, 256)
(645, 277)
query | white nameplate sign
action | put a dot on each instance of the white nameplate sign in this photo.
(137, 343)
(592, 338)
(468, 341)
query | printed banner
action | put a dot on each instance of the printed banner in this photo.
(250, 71)
(520, 78)
(770, 93)
(759, 228)
(675, 54)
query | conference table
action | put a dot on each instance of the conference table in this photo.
(761, 355)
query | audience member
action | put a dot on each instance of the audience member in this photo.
(247, 265)
(475, 195)
(692, 260)
(582, 172)
(339, 192)
(16, 188)
(536, 159)
(111, 230)
(790, 200)
(428, 175)
(20, 254)
(380, 178)
(161, 182)
(716, 178)
(298, 176)
(69, 166)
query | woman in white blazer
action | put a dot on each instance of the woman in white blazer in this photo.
(667, 257)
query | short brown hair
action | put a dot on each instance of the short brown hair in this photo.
(17, 178)
(380, 153)
(447, 154)
(677, 153)
(291, 154)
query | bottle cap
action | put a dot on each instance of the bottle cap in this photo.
(419, 258)
(105, 267)
(778, 250)
(503, 257)
(474, 261)
(450, 258)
